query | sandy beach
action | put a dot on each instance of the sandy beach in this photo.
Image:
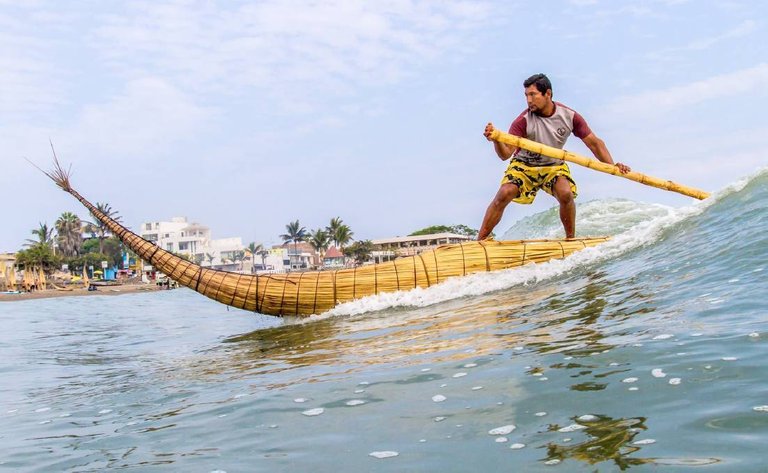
(100, 291)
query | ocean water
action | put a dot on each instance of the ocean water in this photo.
(646, 353)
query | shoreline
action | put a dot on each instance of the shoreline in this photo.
(101, 291)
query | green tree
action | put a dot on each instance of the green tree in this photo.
(209, 257)
(111, 248)
(320, 241)
(44, 236)
(99, 229)
(76, 265)
(458, 229)
(235, 256)
(40, 255)
(339, 232)
(254, 249)
(294, 233)
(360, 251)
(69, 228)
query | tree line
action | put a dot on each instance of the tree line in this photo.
(64, 243)
(336, 232)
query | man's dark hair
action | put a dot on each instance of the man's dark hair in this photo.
(542, 82)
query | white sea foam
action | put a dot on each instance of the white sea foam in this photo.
(314, 412)
(571, 428)
(644, 442)
(658, 373)
(438, 398)
(503, 430)
(384, 454)
(517, 446)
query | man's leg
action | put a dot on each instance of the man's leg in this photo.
(563, 194)
(495, 210)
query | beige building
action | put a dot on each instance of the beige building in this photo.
(7, 272)
(386, 249)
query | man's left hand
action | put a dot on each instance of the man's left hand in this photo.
(623, 168)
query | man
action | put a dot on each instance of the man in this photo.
(550, 123)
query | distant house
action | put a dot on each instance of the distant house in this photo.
(300, 255)
(386, 249)
(333, 258)
(194, 240)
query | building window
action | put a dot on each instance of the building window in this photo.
(169, 246)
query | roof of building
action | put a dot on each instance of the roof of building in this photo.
(333, 252)
(433, 236)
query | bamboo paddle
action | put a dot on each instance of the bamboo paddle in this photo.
(535, 147)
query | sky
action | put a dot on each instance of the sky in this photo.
(245, 116)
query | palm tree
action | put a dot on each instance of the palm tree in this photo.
(295, 233)
(332, 228)
(339, 232)
(237, 256)
(210, 258)
(254, 249)
(263, 253)
(69, 228)
(343, 235)
(320, 240)
(44, 236)
(99, 229)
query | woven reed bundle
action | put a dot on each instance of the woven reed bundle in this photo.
(314, 292)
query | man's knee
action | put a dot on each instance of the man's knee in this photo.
(562, 190)
(506, 193)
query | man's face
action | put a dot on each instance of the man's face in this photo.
(536, 100)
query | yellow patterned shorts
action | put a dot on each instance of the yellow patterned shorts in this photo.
(532, 178)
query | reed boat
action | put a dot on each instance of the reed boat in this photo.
(314, 292)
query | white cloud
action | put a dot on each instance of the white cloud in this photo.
(29, 82)
(283, 44)
(149, 114)
(744, 28)
(717, 87)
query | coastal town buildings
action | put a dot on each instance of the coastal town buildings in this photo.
(386, 249)
(194, 240)
(333, 258)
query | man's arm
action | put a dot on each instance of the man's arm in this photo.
(598, 148)
(503, 150)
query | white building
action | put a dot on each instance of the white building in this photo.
(193, 239)
(385, 249)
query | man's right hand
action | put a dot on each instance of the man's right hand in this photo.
(489, 128)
